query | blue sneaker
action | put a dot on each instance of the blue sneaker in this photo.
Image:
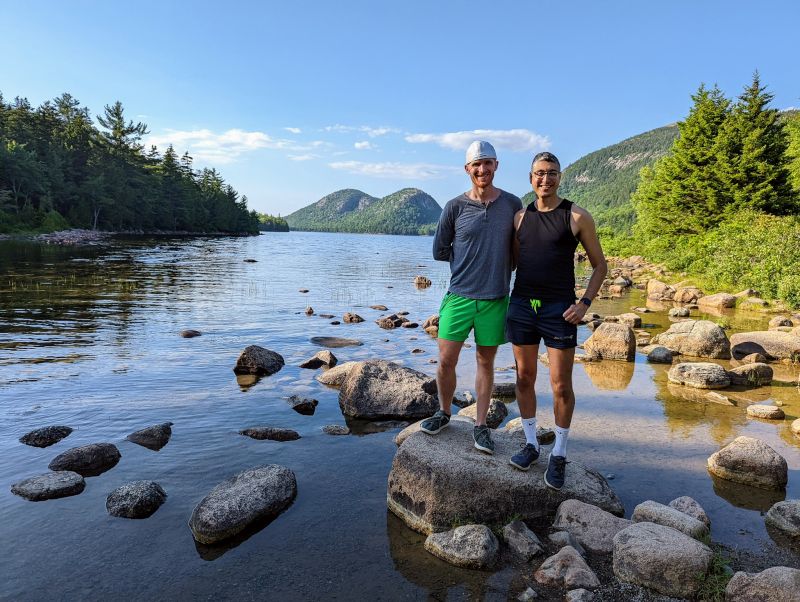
(555, 474)
(525, 457)
(435, 423)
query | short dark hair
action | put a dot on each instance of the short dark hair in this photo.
(546, 156)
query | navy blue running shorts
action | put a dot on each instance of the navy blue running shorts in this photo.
(529, 321)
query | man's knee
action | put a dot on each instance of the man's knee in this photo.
(485, 357)
(562, 390)
(526, 377)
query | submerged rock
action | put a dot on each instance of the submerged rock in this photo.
(335, 342)
(270, 433)
(377, 389)
(138, 499)
(303, 405)
(751, 462)
(153, 437)
(49, 486)
(87, 460)
(259, 361)
(190, 334)
(436, 481)
(468, 546)
(335, 429)
(257, 493)
(45, 436)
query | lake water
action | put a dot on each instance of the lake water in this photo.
(89, 339)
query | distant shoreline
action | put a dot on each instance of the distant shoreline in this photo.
(77, 236)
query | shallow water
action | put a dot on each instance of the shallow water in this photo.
(89, 338)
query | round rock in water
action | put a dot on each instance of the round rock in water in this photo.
(45, 436)
(767, 412)
(153, 437)
(351, 318)
(335, 342)
(257, 493)
(321, 358)
(87, 460)
(751, 462)
(270, 433)
(48, 486)
(138, 499)
(335, 429)
(190, 334)
(698, 338)
(302, 405)
(469, 546)
(700, 375)
(659, 354)
(785, 518)
(259, 361)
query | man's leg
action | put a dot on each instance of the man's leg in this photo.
(561, 362)
(526, 357)
(446, 372)
(484, 380)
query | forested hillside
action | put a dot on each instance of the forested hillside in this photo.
(59, 170)
(407, 211)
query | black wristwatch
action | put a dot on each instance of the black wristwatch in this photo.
(586, 301)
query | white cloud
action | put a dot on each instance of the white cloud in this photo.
(406, 171)
(205, 145)
(363, 145)
(372, 132)
(303, 157)
(293, 130)
(517, 140)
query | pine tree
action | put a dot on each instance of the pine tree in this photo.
(752, 163)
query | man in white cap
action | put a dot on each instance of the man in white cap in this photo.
(474, 234)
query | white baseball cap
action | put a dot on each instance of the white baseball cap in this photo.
(480, 149)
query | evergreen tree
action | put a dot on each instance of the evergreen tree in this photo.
(751, 156)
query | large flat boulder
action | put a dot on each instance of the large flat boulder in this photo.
(700, 375)
(611, 341)
(87, 460)
(661, 558)
(772, 344)
(698, 338)
(257, 493)
(377, 390)
(751, 462)
(775, 584)
(652, 512)
(756, 374)
(436, 481)
(593, 527)
(49, 486)
(45, 436)
(717, 301)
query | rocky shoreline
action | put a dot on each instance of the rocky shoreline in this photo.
(80, 237)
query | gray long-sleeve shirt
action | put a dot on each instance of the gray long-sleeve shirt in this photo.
(476, 240)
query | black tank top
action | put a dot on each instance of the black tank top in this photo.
(545, 269)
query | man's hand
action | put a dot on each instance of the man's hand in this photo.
(575, 313)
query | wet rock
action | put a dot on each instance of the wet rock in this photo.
(379, 307)
(658, 354)
(566, 569)
(497, 413)
(435, 481)
(410, 325)
(698, 338)
(687, 294)
(190, 334)
(391, 321)
(659, 291)
(303, 405)
(717, 301)
(751, 375)
(335, 342)
(259, 361)
(660, 558)
(784, 517)
(767, 412)
(630, 319)
(87, 460)
(521, 540)
(775, 584)
(772, 344)
(431, 321)
(335, 376)
(138, 499)
(45, 436)
(49, 486)
(753, 358)
(270, 433)
(320, 359)
(378, 389)
(153, 437)
(679, 312)
(691, 507)
(432, 330)
(351, 318)
(335, 322)
(779, 321)
(653, 512)
(309, 311)
(335, 429)
(611, 341)
(417, 350)
(257, 493)
(504, 390)
(468, 546)
(422, 282)
(326, 316)
(751, 462)
(564, 538)
(303, 290)
(248, 260)
(593, 527)
(700, 375)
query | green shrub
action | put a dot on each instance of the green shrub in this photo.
(53, 222)
(789, 289)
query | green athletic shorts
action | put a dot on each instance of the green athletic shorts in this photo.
(458, 315)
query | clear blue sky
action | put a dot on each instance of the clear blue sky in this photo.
(293, 100)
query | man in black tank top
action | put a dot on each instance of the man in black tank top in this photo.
(543, 305)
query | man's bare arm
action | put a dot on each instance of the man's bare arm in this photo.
(586, 233)
(514, 240)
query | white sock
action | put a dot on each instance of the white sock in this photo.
(560, 446)
(529, 426)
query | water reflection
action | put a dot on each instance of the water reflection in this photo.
(744, 496)
(610, 375)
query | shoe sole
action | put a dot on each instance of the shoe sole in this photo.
(431, 432)
(546, 482)
(520, 466)
(485, 450)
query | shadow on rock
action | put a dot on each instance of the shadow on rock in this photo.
(371, 427)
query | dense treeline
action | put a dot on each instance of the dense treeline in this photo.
(272, 223)
(721, 205)
(57, 169)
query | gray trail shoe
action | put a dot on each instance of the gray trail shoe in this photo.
(483, 439)
(435, 423)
